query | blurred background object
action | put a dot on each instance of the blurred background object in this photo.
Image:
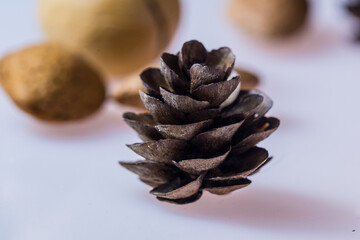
(353, 8)
(269, 18)
(52, 83)
(128, 91)
(119, 36)
(248, 80)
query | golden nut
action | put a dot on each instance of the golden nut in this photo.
(52, 83)
(128, 92)
(270, 18)
(248, 79)
(119, 36)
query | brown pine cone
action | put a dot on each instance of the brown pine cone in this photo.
(202, 130)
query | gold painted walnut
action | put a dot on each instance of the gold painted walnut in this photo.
(202, 130)
(269, 18)
(52, 83)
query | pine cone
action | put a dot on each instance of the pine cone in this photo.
(353, 8)
(202, 130)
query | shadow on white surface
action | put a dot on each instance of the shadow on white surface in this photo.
(272, 209)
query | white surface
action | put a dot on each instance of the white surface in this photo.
(63, 182)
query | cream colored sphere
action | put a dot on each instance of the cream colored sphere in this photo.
(119, 36)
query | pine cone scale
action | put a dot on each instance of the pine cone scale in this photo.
(203, 75)
(238, 166)
(172, 74)
(176, 189)
(183, 132)
(191, 53)
(215, 139)
(255, 137)
(199, 165)
(249, 103)
(203, 115)
(217, 93)
(225, 187)
(222, 59)
(164, 150)
(143, 124)
(152, 80)
(190, 199)
(153, 173)
(183, 103)
(160, 111)
(245, 105)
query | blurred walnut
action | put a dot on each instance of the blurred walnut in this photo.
(119, 36)
(249, 80)
(270, 18)
(128, 92)
(52, 83)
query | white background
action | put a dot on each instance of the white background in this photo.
(63, 182)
